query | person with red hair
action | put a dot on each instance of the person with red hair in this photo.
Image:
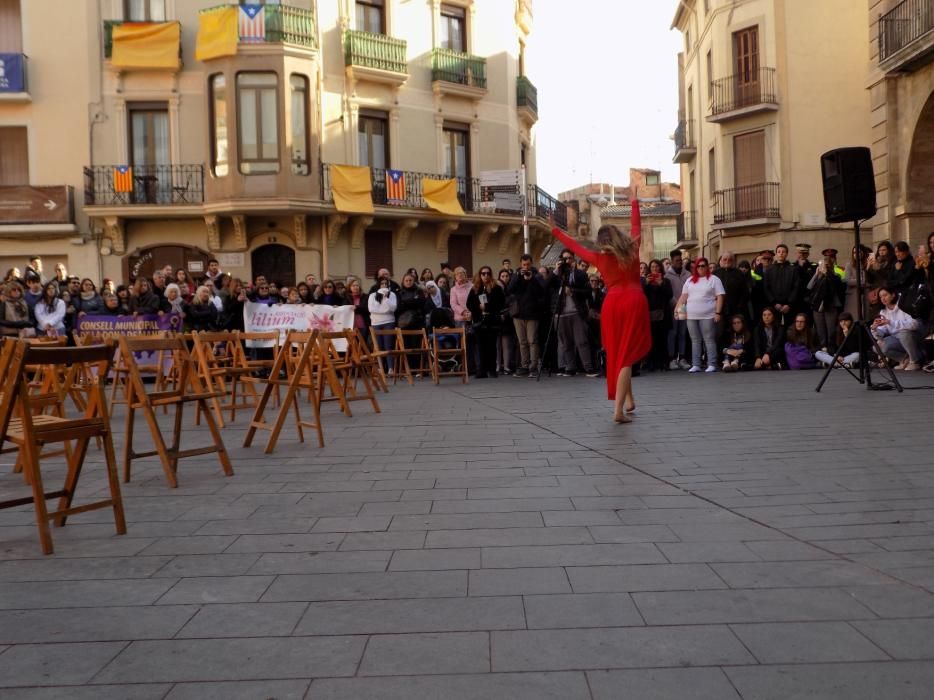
(624, 316)
(703, 297)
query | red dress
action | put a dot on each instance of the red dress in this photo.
(624, 318)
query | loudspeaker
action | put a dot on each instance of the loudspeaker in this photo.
(849, 184)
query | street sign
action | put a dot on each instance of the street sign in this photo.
(22, 204)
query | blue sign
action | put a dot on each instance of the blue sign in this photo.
(12, 72)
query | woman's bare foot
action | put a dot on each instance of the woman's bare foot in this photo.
(622, 418)
(630, 407)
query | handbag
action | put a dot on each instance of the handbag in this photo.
(916, 301)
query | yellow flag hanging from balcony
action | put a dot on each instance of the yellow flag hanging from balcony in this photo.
(146, 45)
(352, 188)
(217, 33)
(441, 195)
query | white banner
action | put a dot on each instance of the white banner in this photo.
(261, 318)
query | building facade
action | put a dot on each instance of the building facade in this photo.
(176, 161)
(766, 87)
(901, 90)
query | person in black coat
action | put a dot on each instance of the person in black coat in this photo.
(769, 342)
(201, 314)
(781, 282)
(525, 293)
(904, 273)
(736, 286)
(486, 302)
(570, 287)
(659, 293)
(143, 300)
(435, 298)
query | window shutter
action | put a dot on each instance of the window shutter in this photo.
(377, 251)
(14, 156)
(460, 252)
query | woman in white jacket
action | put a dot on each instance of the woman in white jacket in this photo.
(382, 307)
(50, 312)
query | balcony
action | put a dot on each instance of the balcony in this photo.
(27, 210)
(13, 86)
(906, 36)
(375, 57)
(108, 31)
(743, 94)
(474, 196)
(282, 24)
(687, 228)
(144, 185)
(685, 145)
(455, 73)
(749, 205)
(527, 99)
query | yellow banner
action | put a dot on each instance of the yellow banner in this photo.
(351, 186)
(146, 45)
(441, 195)
(217, 33)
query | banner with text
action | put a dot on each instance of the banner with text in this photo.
(261, 318)
(144, 324)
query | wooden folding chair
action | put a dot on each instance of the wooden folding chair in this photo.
(391, 359)
(414, 344)
(121, 373)
(259, 369)
(216, 355)
(33, 429)
(297, 367)
(347, 368)
(369, 362)
(448, 361)
(189, 389)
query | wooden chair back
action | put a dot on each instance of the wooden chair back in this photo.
(448, 361)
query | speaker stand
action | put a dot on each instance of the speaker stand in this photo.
(865, 332)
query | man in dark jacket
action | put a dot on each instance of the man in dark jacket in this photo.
(805, 269)
(781, 282)
(572, 311)
(736, 286)
(524, 296)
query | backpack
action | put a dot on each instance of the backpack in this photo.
(916, 301)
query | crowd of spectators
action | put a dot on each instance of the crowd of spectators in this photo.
(769, 313)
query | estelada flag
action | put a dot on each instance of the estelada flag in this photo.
(395, 186)
(123, 178)
(252, 23)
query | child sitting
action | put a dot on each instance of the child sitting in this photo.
(799, 345)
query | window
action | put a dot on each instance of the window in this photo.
(712, 172)
(299, 89)
(373, 139)
(11, 27)
(651, 179)
(370, 16)
(749, 159)
(149, 134)
(456, 150)
(144, 10)
(377, 251)
(258, 122)
(454, 28)
(710, 72)
(14, 156)
(219, 125)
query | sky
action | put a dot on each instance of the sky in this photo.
(607, 79)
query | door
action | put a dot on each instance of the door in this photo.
(377, 252)
(457, 160)
(746, 63)
(275, 262)
(749, 175)
(149, 154)
(460, 252)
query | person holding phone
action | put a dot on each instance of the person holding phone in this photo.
(382, 307)
(486, 301)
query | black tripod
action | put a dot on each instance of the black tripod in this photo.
(553, 327)
(865, 334)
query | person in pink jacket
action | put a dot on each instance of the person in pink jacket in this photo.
(459, 293)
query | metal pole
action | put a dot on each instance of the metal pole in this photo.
(526, 247)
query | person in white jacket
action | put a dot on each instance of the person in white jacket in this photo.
(382, 307)
(50, 312)
(900, 336)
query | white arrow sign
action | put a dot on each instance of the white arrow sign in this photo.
(50, 205)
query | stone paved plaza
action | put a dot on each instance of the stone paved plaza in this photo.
(745, 537)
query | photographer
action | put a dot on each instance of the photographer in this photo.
(525, 293)
(572, 312)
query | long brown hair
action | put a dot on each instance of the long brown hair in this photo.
(478, 280)
(612, 241)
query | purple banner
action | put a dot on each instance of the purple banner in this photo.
(144, 324)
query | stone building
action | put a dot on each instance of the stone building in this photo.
(161, 158)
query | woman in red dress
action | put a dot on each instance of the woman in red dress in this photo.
(624, 318)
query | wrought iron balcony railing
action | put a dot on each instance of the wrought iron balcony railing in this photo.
(375, 51)
(284, 24)
(473, 195)
(685, 145)
(143, 184)
(526, 94)
(903, 25)
(460, 68)
(761, 201)
(687, 226)
(748, 89)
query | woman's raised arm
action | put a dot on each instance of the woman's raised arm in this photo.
(581, 251)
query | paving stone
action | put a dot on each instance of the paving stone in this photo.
(55, 664)
(652, 577)
(807, 642)
(571, 555)
(102, 624)
(705, 607)
(866, 681)
(207, 544)
(494, 582)
(397, 584)
(78, 594)
(234, 659)
(662, 684)
(243, 620)
(240, 690)
(257, 526)
(688, 552)
(620, 534)
(383, 540)
(508, 537)
(515, 686)
(435, 559)
(285, 542)
(438, 652)
(217, 589)
(466, 521)
(784, 550)
(560, 518)
(371, 523)
(897, 600)
(793, 574)
(581, 610)
(624, 647)
(502, 505)
(208, 565)
(149, 691)
(903, 639)
(53, 569)
(320, 562)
